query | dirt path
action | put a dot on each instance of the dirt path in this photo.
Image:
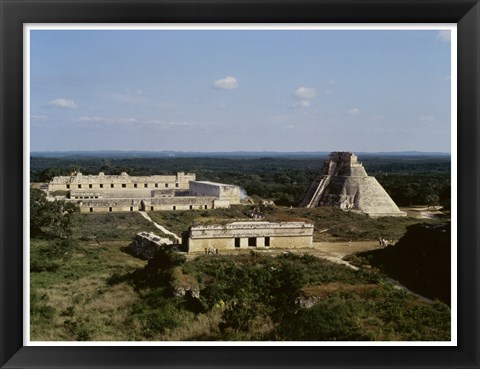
(423, 211)
(336, 251)
(162, 228)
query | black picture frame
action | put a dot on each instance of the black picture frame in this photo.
(14, 13)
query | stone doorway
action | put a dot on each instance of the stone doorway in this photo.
(142, 206)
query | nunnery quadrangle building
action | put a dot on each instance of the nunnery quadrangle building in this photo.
(113, 193)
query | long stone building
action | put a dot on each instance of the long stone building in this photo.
(249, 234)
(345, 184)
(114, 193)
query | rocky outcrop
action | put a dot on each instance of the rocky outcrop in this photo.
(310, 295)
(184, 284)
(145, 244)
(344, 183)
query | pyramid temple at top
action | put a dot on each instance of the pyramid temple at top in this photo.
(344, 183)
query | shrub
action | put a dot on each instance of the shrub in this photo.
(331, 320)
(238, 316)
(38, 308)
(156, 312)
(78, 330)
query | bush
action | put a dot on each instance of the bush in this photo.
(47, 257)
(156, 312)
(331, 320)
(38, 308)
(238, 316)
(78, 330)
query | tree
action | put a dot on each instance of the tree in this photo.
(55, 217)
(445, 196)
(432, 200)
(38, 215)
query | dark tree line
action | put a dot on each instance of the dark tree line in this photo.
(408, 180)
(426, 189)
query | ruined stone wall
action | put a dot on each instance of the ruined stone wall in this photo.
(145, 244)
(227, 243)
(227, 192)
(241, 235)
(131, 193)
(78, 181)
(120, 194)
(147, 204)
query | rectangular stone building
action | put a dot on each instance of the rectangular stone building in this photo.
(222, 191)
(119, 193)
(250, 234)
(110, 183)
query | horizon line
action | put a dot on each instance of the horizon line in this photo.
(237, 151)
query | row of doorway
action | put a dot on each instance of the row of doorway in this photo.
(252, 241)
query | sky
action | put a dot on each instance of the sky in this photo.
(240, 90)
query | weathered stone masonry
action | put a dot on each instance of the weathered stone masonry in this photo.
(344, 183)
(116, 193)
(243, 235)
(103, 182)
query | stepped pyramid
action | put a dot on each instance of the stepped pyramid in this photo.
(344, 183)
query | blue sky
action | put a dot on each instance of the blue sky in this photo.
(240, 90)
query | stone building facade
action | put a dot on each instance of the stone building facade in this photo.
(345, 184)
(102, 182)
(120, 193)
(227, 192)
(249, 234)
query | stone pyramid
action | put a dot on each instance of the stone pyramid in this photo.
(344, 183)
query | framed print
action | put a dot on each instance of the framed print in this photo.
(227, 184)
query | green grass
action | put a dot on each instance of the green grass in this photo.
(87, 288)
(110, 226)
(179, 221)
(84, 305)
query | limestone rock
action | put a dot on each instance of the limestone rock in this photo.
(145, 244)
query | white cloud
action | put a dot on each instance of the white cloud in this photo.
(327, 92)
(63, 103)
(139, 92)
(301, 104)
(96, 119)
(179, 124)
(125, 120)
(166, 124)
(444, 36)
(353, 111)
(227, 83)
(305, 92)
(332, 82)
(92, 119)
